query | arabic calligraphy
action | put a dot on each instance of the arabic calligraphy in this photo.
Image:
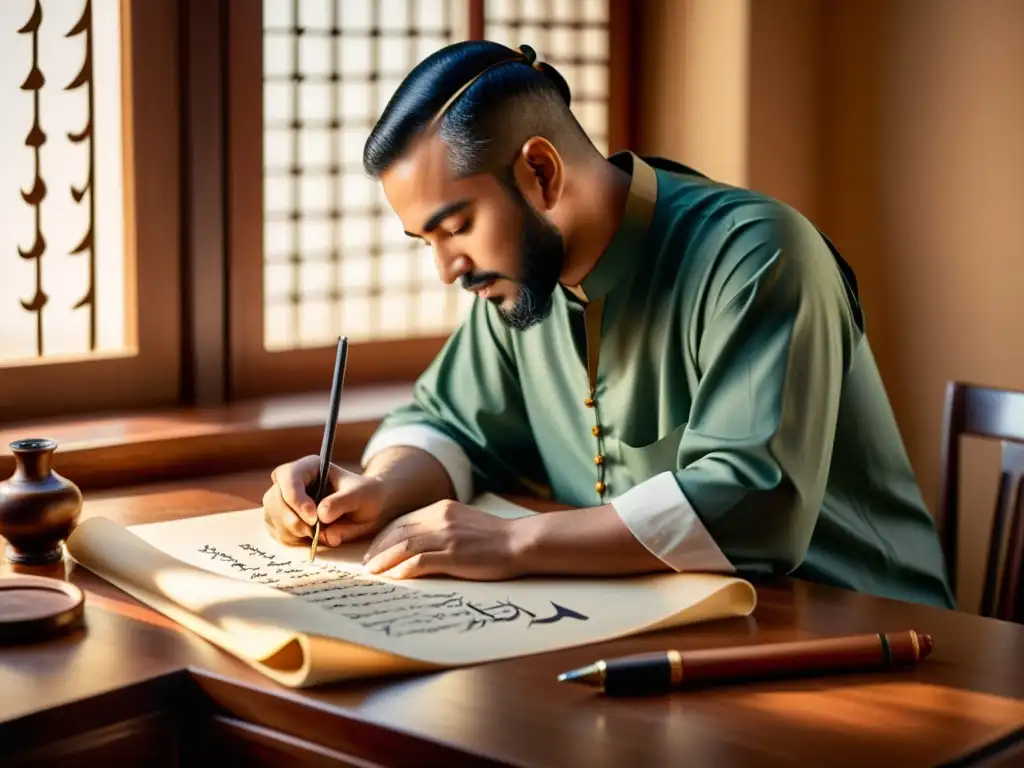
(379, 605)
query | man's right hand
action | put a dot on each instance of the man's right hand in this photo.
(351, 510)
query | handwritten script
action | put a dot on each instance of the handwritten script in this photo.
(386, 607)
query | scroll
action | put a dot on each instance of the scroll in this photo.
(226, 578)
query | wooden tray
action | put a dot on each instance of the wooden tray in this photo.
(34, 608)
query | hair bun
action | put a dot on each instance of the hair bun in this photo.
(529, 53)
(547, 70)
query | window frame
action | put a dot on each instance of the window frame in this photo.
(149, 373)
(254, 371)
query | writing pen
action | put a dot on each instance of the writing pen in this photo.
(318, 488)
(651, 673)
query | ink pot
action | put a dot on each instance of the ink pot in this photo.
(38, 507)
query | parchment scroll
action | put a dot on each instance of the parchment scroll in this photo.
(224, 577)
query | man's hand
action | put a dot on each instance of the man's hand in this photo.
(353, 509)
(445, 538)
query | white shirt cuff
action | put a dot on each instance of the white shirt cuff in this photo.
(437, 444)
(663, 520)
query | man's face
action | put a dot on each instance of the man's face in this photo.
(482, 230)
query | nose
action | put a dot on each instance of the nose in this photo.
(450, 267)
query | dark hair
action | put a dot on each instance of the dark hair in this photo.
(511, 100)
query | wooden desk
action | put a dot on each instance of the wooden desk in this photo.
(135, 686)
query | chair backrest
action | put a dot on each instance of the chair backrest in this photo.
(996, 414)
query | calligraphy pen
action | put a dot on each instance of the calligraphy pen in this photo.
(317, 489)
(664, 671)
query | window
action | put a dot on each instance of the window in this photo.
(66, 296)
(182, 209)
(330, 243)
(88, 206)
(315, 251)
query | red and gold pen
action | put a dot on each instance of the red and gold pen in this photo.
(669, 670)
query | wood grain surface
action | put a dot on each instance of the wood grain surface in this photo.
(134, 680)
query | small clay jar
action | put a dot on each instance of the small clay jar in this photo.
(38, 507)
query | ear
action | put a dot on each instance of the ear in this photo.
(540, 173)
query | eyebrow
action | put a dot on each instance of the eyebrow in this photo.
(440, 215)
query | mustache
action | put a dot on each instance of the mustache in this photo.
(469, 281)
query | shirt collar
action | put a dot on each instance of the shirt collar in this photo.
(622, 252)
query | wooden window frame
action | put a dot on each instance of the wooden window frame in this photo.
(254, 371)
(150, 375)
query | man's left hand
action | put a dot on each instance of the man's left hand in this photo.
(446, 538)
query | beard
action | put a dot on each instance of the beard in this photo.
(541, 258)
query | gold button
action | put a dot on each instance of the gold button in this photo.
(599, 459)
(589, 402)
(600, 487)
(596, 430)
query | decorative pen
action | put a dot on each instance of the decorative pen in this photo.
(651, 673)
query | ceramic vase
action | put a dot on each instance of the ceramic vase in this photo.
(38, 507)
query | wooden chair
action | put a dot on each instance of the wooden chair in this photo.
(996, 414)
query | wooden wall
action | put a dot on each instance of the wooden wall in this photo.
(898, 127)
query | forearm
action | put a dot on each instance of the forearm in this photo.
(591, 541)
(412, 479)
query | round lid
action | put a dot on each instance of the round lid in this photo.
(34, 608)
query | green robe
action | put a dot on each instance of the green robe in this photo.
(743, 422)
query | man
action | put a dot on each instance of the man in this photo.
(682, 362)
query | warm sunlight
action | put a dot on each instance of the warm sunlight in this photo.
(62, 253)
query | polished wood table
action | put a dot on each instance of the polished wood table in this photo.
(133, 688)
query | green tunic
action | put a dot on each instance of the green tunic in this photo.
(732, 362)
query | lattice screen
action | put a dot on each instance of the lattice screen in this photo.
(336, 260)
(572, 35)
(62, 256)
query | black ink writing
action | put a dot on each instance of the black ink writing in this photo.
(389, 608)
